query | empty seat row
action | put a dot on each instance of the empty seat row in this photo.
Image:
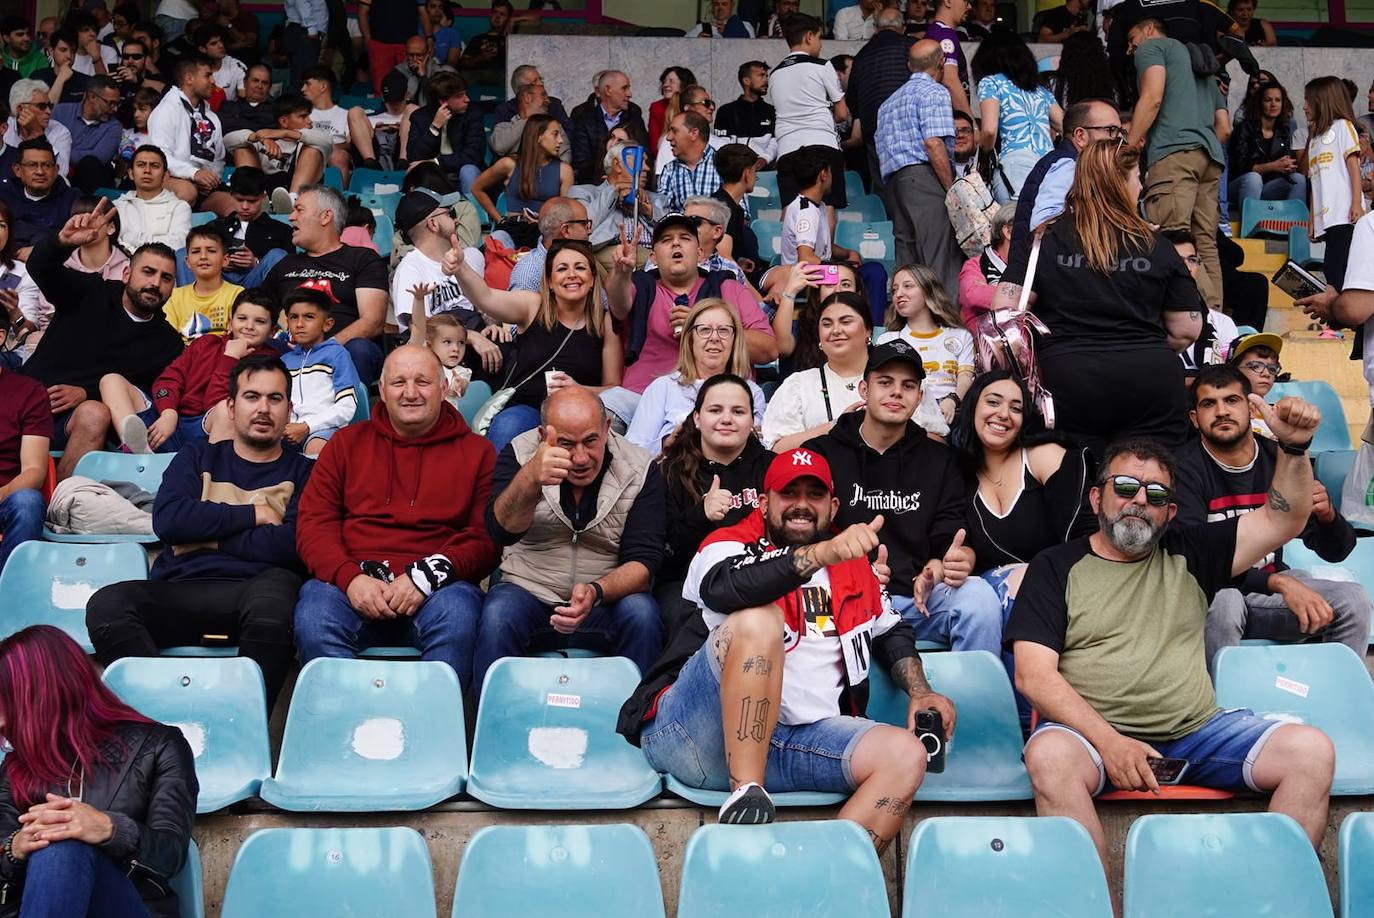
(1201, 865)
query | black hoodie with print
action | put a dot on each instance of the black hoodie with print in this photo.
(686, 519)
(916, 485)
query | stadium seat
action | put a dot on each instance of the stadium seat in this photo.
(1331, 469)
(546, 737)
(369, 104)
(1003, 865)
(473, 399)
(817, 869)
(333, 178)
(866, 209)
(715, 798)
(1323, 685)
(765, 189)
(769, 233)
(984, 761)
(364, 872)
(365, 181)
(1357, 866)
(281, 218)
(114, 194)
(872, 240)
(48, 583)
(1300, 248)
(384, 236)
(1358, 566)
(364, 411)
(142, 470)
(381, 204)
(371, 735)
(1271, 218)
(584, 871)
(189, 884)
(482, 216)
(853, 186)
(219, 704)
(200, 218)
(1332, 434)
(1222, 864)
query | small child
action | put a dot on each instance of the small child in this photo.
(203, 307)
(145, 100)
(923, 315)
(808, 224)
(1333, 167)
(189, 399)
(323, 379)
(360, 225)
(446, 337)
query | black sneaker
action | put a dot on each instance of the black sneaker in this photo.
(749, 805)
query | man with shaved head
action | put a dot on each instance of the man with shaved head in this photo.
(579, 511)
(391, 529)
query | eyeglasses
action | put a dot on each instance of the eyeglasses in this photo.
(41, 106)
(707, 332)
(1113, 131)
(963, 132)
(699, 220)
(132, 57)
(1259, 366)
(1127, 487)
(44, 165)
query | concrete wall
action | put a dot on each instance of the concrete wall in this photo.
(669, 826)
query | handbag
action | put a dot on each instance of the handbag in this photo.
(481, 421)
(1004, 340)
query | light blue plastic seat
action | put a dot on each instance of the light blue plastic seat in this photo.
(49, 583)
(868, 208)
(1003, 865)
(1301, 249)
(1332, 433)
(333, 178)
(1357, 866)
(765, 193)
(365, 181)
(1271, 218)
(984, 761)
(1357, 567)
(1223, 865)
(363, 411)
(200, 218)
(473, 399)
(1323, 685)
(220, 706)
(381, 204)
(853, 186)
(189, 884)
(817, 869)
(114, 194)
(145, 471)
(1332, 468)
(874, 241)
(769, 233)
(371, 735)
(546, 737)
(580, 871)
(715, 798)
(384, 237)
(335, 872)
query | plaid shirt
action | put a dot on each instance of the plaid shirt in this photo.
(678, 183)
(920, 110)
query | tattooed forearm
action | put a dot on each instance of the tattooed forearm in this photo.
(1278, 501)
(805, 562)
(753, 719)
(910, 676)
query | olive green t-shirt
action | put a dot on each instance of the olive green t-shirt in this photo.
(1129, 634)
(1188, 109)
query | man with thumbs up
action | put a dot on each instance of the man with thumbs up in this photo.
(885, 463)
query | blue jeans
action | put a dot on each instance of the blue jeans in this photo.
(621, 403)
(1279, 188)
(466, 176)
(188, 430)
(21, 520)
(71, 879)
(969, 618)
(443, 628)
(367, 359)
(513, 619)
(250, 278)
(686, 739)
(510, 423)
(998, 579)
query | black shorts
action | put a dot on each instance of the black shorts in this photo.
(787, 184)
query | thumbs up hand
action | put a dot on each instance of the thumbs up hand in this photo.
(958, 561)
(552, 461)
(717, 501)
(453, 258)
(921, 588)
(881, 570)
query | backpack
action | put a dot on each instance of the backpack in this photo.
(971, 209)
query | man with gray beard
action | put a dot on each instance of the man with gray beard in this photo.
(1108, 636)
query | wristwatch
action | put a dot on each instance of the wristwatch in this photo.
(1295, 449)
(600, 593)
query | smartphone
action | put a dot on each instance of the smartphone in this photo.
(10, 281)
(930, 730)
(1293, 280)
(830, 275)
(1168, 771)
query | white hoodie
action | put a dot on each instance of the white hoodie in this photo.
(166, 219)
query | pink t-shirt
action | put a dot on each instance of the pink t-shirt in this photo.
(658, 357)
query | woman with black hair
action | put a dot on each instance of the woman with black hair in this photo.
(1263, 163)
(1084, 72)
(1017, 113)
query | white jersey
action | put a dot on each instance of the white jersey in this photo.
(805, 222)
(803, 90)
(229, 77)
(1331, 189)
(334, 120)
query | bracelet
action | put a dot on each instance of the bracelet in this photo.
(1295, 449)
(790, 297)
(600, 593)
(9, 853)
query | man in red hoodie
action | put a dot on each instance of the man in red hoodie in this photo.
(391, 530)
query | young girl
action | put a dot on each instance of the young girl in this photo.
(446, 337)
(530, 178)
(1333, 167)
(922, 314)
(145, 100)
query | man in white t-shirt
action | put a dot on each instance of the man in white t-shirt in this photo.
(809, 101)
(318, 88)
(855, 23)
(229, 71)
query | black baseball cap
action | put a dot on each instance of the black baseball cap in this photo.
(674, 221)
(395, 86)
(417, 205)
(880, 355)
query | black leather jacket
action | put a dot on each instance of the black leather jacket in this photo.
(149, 791)
(1246, 151)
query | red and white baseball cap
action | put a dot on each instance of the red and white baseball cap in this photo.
(788, 466)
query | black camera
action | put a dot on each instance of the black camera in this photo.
(930, 730)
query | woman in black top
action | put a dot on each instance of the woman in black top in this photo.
(1262, 162)
(1119, 305)
(713, 471)
(1257, 31)
(563, 338)
(107, 796)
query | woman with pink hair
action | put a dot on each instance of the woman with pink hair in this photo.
(96, 800)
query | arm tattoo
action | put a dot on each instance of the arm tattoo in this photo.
(1278, 501)
(804, 561)
(910, 676)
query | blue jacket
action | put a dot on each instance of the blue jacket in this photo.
(34, 220)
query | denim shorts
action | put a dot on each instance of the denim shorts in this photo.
(1220, 754)
(686, 739)
(189, 429)
(324, 433)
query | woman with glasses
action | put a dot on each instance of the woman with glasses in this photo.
(712, 342)
(96, 800)
(1119, 305)
(1018, 114)
(671, 82)
(531, 177)
(564, 336)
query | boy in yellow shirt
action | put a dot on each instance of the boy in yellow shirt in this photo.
(203, 307)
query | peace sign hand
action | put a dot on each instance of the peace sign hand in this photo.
(625, 260)
(83, 229)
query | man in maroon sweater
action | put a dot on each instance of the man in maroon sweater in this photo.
(391, 526)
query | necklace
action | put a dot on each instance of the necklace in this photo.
(849, 384)
(997, 482)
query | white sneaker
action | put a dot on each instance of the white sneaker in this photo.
(749, 805)
(134, 433)
(282, 201)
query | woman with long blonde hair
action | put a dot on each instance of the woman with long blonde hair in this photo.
(1119, 304)
(712, 343)
(923, 314)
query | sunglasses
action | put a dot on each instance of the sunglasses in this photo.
(41, 106)
(1259, 366)
(699, 220)
(706, 103)
(132, 57)
(1126, 487)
